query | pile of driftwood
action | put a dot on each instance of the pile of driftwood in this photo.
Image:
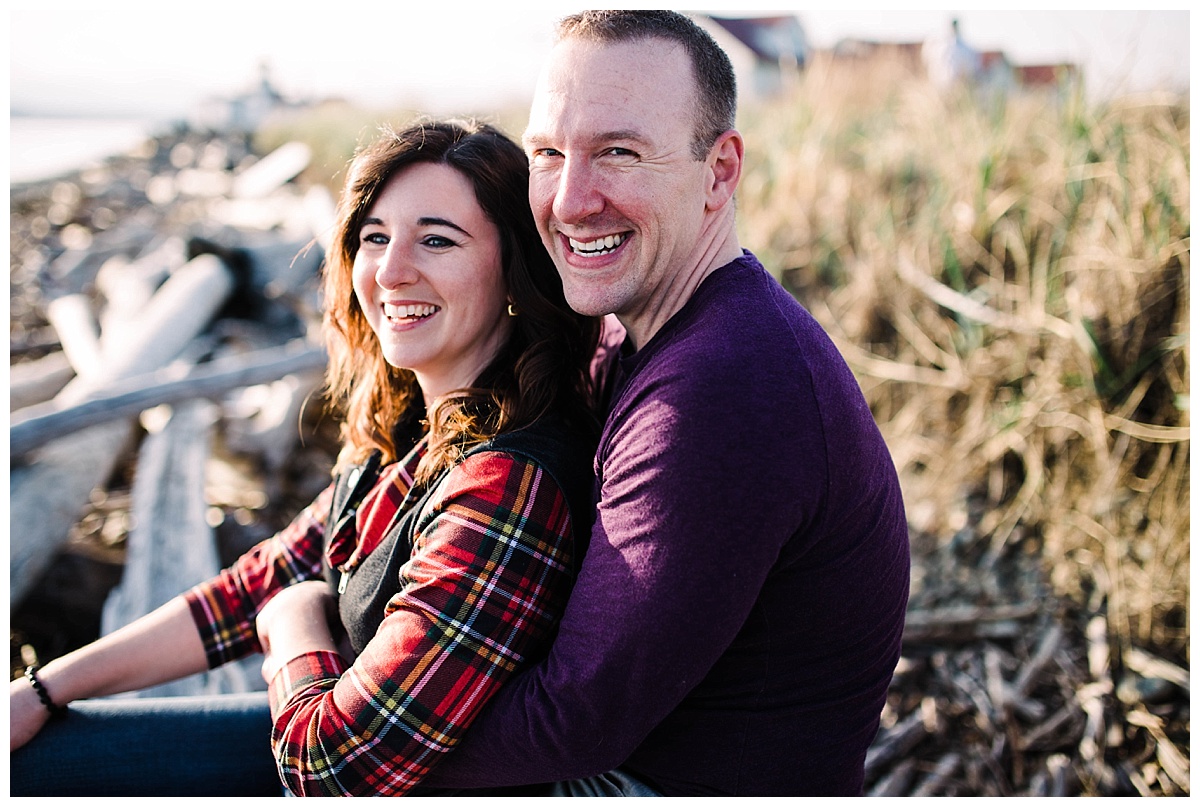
(1002, 689)
(165, 314)
(164, 419)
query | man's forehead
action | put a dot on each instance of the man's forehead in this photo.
(588, 87)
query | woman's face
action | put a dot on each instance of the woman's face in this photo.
(428, 277)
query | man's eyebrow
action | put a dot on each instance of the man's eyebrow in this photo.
(534, 139)
(620, 134)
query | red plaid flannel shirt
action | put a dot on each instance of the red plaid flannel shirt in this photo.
(488, 579)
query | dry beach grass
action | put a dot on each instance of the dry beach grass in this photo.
(1009, 279)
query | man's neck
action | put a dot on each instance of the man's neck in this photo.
(712, 253)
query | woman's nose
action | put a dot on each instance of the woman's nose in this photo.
(396, 269)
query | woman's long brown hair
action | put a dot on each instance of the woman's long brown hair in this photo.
(544, 365)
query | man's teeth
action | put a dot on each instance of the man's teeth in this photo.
(409, 311)
(598, 247)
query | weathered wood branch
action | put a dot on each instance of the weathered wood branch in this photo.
(1151, 666)
(965, 623)
(939, 777)
(78, 332)
(37, 381)
(171, 546)
(33, 426)
(896, 781)
(896, 742)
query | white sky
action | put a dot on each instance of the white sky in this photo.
(125, 57)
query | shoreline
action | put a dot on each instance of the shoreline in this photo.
(45, 148)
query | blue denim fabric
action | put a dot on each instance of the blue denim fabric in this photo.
(213, 745)
(614, 783)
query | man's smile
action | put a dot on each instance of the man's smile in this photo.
(597, 246)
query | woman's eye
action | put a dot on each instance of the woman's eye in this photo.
(438, 241)
(375, 238)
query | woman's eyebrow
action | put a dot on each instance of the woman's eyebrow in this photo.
(426, 221)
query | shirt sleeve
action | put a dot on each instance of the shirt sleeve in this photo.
(225, 607)
(487, 581)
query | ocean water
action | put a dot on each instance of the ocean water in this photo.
(42, 148)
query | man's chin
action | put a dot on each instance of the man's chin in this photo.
(589, 305)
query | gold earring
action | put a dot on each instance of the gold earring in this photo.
(512, 312)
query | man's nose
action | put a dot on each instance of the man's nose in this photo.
(578, 194)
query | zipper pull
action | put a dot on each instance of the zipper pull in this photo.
(343, 581)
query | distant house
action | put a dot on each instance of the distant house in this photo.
(766, 52)
(998, 74)
(949, 59)
(1054, 77)
(903, 54)
(995, 72)
(244, 112)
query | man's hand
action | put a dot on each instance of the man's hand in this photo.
(296, 621)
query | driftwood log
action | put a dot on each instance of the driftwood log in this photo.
(171, 546)
(78, 332)
(37, 381)
(47, 496)
(33, 426)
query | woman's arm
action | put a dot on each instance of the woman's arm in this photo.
(226, 607)
(162, 646)
(200, 629)
(298, 620)
(489, 576)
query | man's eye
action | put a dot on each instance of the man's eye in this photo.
(546, 153)
(617, 151)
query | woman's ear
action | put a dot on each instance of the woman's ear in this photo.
(725, 166)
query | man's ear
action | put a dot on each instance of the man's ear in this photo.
(725, 165)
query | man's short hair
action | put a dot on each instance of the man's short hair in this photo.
(716, 88)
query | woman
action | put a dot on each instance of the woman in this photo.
(438, 562)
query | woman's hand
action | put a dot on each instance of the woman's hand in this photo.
(26, 714)
(296, 621)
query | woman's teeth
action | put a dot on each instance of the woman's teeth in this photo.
(409, 311)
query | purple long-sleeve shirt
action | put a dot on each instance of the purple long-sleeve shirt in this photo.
(738, 616)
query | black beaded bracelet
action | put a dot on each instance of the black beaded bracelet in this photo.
(44, 696)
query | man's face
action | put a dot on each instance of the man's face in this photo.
(617, 196)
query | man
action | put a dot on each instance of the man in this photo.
(738, 615)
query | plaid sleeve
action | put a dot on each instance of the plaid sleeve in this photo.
(486, 584)
(225, 607)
